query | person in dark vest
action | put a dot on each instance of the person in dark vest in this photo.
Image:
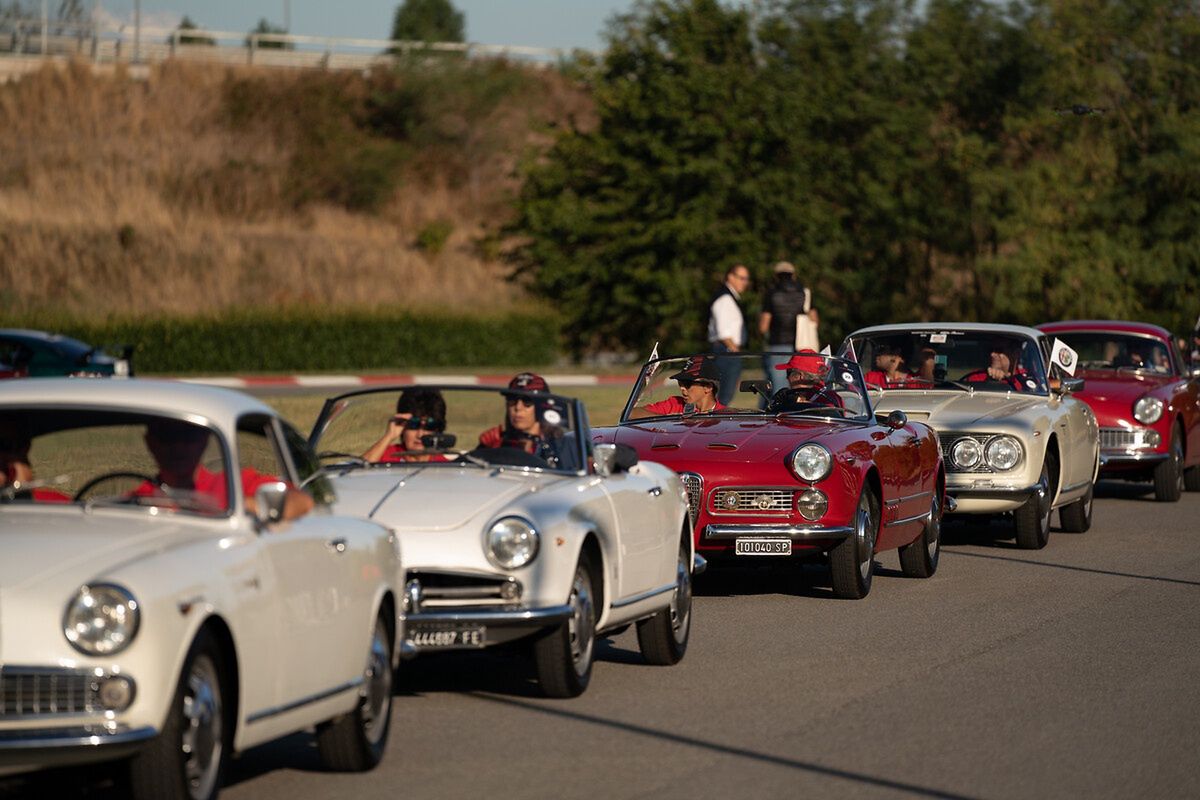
(785, 301)
(727, 328)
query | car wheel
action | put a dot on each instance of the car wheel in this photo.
(852, 560)
(564, 655)
(1168, 475)
(354, 742)
(1077, 517)
(1191, 479)
(1032, 520)
(920, 558)
(663, 638)
(186, 761)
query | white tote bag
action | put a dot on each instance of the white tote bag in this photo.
(806, 329)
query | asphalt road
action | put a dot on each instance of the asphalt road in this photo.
(1067, 672)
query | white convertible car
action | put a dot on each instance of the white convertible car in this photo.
(512, 526)
(168, 597)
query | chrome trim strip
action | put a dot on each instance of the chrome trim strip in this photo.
(994, 492)
(1073, 487)
(637, 598)
(53, 738)
(790, 531)
(316, 698)
(918, 518)
(1132, 458)
(529, 616)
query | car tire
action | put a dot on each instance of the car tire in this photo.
(1169, 474)
(564, 655)
(1032, 520)
(852, 560)
(919, 559)
(1077, 517)
(355, 741)
(1191, 479)
(663, 638)
(187, 760)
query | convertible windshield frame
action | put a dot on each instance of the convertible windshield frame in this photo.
(1150, 337)
(333, 407)
(753, 360)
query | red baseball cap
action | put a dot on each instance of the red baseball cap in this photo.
(805, 361)
(529, 382)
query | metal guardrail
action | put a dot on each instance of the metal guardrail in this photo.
(147, 45)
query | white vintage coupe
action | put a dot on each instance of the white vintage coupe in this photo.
(169, 597)
(512, 526)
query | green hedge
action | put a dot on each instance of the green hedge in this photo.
(295, 341)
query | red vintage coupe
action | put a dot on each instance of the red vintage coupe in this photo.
(1146, 399)
(797, 465)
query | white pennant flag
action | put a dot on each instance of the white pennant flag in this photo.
(1066, 358)
(653, 353)
(825, 351)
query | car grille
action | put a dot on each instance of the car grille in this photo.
(694, 485)
(947, 441)
(762, 500)
(452, 590)
(32, 692)
(1122, 439)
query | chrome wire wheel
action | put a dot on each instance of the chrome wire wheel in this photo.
(377, 687)
(581, 626)
(864, 537)
(681, 598)
(202, 738)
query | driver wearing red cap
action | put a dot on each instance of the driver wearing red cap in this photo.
(699, 383)
(527, 423)
(806, 372)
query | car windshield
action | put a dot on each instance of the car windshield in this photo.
(766, 384)
(989, 361)
(104, 457)
(1109, 350)
(447, 426)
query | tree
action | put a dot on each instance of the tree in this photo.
(428, 21)
(269, 44)
(186, 24)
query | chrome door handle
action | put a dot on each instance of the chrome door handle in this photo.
(654, 491)
(336, 545)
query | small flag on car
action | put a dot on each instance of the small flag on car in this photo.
(1066, 358)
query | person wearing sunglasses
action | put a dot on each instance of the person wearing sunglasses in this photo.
(527, 426)
(419, 412)
(699, 387)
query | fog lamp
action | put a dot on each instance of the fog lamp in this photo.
(812, 504)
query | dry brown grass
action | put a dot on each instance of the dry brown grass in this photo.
(121, 196)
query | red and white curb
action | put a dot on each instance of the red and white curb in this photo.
(353, 381)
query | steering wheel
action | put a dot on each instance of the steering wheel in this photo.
(108, 476)
(789, 399)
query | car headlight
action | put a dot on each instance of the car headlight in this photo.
(812, 504)
(511, 542)
(966, 453)
(101, 619)
(812, 462)
(1003, 453)
(1147, 410)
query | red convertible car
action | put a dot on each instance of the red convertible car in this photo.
(1146, 398)
(796, 466)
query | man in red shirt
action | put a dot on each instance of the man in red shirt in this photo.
(699, 385)
(177, 448)
(806, 372)
(419, 412)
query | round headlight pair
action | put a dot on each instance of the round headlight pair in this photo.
(512, 542)
(101, 619)
(1148, 410)
(1002, 453)
(812, 462)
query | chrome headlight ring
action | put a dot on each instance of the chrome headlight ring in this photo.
(101, 619)
(511, 542)
(1148, 410)
(966, 453)
(812, 462)
(1003, 453)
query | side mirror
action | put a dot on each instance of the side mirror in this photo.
(1071, 385)
(755, 386)
(614, 458)
(269, 501)
(896, 420)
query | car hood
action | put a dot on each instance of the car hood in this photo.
(66, 548)
(433, 498)
(716, 438)
(957, 409)
(1107, 386)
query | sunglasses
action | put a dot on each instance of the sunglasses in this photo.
(512, 401)
(423, 423)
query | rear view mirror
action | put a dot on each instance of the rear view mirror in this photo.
(269, 501)
(1072, 385)
(756, 386)
(896, 419)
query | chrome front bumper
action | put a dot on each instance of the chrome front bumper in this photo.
(992, 492)
(719, 533)
(1119, 457)
(502, 625)
(34, 748)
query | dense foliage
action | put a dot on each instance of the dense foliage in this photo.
(295, 340)
(948, 159)
(428, 21)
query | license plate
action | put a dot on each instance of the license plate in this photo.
(435, 638)
(762, 547)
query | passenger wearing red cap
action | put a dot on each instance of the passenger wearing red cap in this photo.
(524, 427)
(699, 384)
(806, 380)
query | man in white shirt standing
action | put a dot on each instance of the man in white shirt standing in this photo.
(727, 328)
